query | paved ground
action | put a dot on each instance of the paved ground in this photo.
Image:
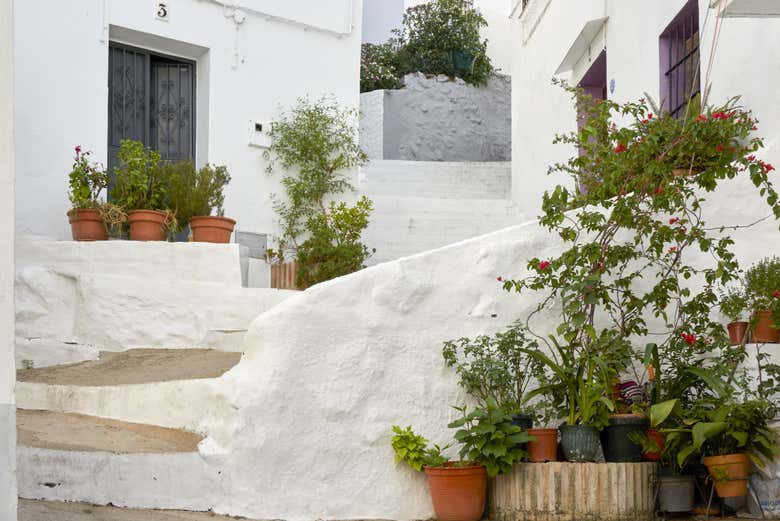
(77, 432)
(136, 366)
(56, 511)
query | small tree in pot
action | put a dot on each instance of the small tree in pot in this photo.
(194, 194)
(762, 289)
(733, 304)
(87, 180)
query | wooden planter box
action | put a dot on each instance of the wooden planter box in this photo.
(283, 275)
(562, 491)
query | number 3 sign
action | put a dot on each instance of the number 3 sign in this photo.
(163, 11)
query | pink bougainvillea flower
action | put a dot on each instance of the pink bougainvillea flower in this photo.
(767, 167)
(751, 157)
(672, 249)
(500, 278)
(689, 339)
(78, 149)
(620, 148)
(650, 116)
(543, 265)
(674, 220)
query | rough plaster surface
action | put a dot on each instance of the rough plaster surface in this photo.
(372, 111)
(438, 119)
(60, 511)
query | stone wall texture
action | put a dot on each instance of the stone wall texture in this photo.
(439, 119)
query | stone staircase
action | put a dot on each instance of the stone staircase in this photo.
(423, 205)
(118, 367)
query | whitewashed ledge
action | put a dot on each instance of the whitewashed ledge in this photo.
(561, 491)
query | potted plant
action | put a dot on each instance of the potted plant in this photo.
(140, 189)
(628, 420)
(733, 304)
(493, 366)
(762, 287)
(195, 194)
(489, 446)
(87, 180)
(578, 384)
(544, 446)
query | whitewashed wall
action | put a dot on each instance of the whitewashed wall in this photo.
(61, 81)
(745, 64)
(7, 370)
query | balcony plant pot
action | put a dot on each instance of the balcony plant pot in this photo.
(458, 493)
(211, 228)
(545, 447)
(523, 420)
(737, 332)
(676, 493)
(87, 225)
(580, 442)
(616, 438)
(729, 473)
(765, 332)
(147, 225)
(659, 440)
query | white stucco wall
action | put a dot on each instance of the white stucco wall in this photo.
(61, 83)
(7, 369)
(747, 47)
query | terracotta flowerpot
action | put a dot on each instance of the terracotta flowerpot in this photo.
(730, 474)
(87, 225)
(545, 448)
(659, 440)
(458, 493)
(765, 332)
(737, 332)
(146, 225)
(210, 228)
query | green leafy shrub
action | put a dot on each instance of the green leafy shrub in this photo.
(413, 449)
(193, 192)
(443, 37)
(333, 247)
(488, 437)
(315, 144)
(87, 179)
(762, 286)
(733, 303)
(140, 182)
(494, 367)
(378, 67)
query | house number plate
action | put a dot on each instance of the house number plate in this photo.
(162, 11)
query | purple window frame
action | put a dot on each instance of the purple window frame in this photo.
(680, 60)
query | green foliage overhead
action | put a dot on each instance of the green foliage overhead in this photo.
(86, 181)
(437, 37)
(315, 144)
(193, 192)
(140, 182)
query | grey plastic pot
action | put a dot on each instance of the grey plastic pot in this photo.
(580, 442)
(676, 493)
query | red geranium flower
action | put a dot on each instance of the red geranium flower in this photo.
(543, 265)
(500, 278)
(674, 220)
(620, 148)
(776, 294)
(702, 117)
(689, 339)
(719, 148)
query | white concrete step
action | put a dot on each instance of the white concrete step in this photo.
(31, 510)
(437, 179)
(402, 226)
(67, 457)
(167, 387)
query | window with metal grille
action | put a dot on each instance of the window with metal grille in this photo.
(679, 46)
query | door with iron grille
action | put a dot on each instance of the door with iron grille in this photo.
(151, 99)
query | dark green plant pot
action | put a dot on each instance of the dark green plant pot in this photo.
(616, 438)
(676, 493)
(580, 442)
(462, 62)
(523, 420)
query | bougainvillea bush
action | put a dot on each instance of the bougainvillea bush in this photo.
(378, 68)
(629, 218)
